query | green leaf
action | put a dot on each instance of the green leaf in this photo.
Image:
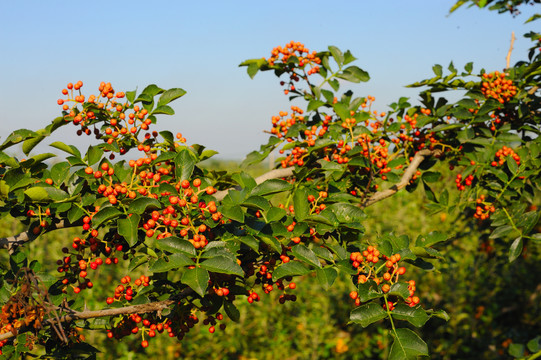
(516, 249)
(516, 350)
(234, 212)
(145, 98)
(348, 215)
(4, 189)
(8, 160)
(197, 279)
(93, 155)
(128, 228)
(152, 90)
(534, 345)
(224, 265)
(368, 291)
(337, 55)
(17, 136)
(106, 213)
(252, 70)
(400, 289)
(257, 202)
(292, 268)
(271, 241)
(445, 127)
(168, 137)
(175, 245)
(130, 96)
(232, 311)
(354, 74)
(272, 186)
(70, 149)
(244, 180)
(512, 165)
(301, 204)
(430, 239)
(341, 110)
(140, 205)
(414, 315)
(441, 314)
(206, 154)
(31, 143)
(407, 345)
(184, 164)
(170, 95)
(37, 194)
(275, 214)
(60, 172)
(431, 176)
(323, 253)
(314, 104)
(326, 277)
(367, 314)
(303, 253)
(437, 70)
(250, 241)
(174, 261)
(501, 231)
(163, 109)
(75, 213)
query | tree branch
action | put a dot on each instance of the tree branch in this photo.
(126, 310)
(11, 242)
(406, 177)
(508, 57)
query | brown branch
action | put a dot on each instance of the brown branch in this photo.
(406, 177)
(126, 310)
(273, 174)
(508, 58)
(11, 242)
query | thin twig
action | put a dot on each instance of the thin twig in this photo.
(12, 242)
(508, 58)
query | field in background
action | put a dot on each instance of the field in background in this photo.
(486, 310)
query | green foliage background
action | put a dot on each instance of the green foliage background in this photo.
(488, 299)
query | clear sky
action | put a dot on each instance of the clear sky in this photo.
(198, 45)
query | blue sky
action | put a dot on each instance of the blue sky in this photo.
(198, 46)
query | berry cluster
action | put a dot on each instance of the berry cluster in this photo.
(86, 256)
(384, 275)
(462, 183)
(281, 124)
(121, 121)
(175, 325)
(292, 57)
(483, 209)
(126, 290)
(264, 277)
(496, 85)
(502, 154)
(316, 206)
(295, 49)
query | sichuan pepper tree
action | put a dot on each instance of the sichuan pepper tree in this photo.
(205, 240)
